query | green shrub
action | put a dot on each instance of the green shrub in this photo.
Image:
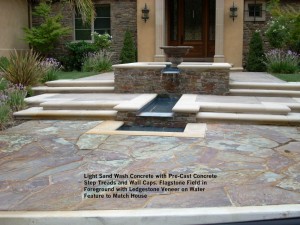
(3, 84)
(280, 61)
(102, 41)
(5, 115)
(3, 63)
(44, 37)
(284, 28)
(77, 52)
(24, 68)
(128, 53)
(256, 57)
(277, 32)
(98, 62)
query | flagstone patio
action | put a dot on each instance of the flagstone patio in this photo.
(43, 163)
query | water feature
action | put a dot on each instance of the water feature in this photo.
(172, 80)
(175, 55)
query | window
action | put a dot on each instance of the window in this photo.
(255, 10)
(101, 23)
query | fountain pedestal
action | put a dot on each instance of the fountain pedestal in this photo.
(194, 78)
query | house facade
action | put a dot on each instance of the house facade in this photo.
(218, 30)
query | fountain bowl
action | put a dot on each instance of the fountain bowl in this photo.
(175, 54)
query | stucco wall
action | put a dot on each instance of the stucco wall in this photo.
(146, 32)
(233, 34)
(13, 17)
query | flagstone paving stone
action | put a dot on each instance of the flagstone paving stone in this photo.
(43, 164)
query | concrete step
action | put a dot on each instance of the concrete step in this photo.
(291, 86)
(36, 100)
(291, 118)
(39, 113)
(80, 105)
(264, 108)
(263, 92)
(80, 83)
(45, 89)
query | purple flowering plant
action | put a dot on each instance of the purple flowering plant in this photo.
(51, 67)
(282, 61)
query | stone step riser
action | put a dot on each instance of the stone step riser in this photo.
(78, 107)
(265, 86)
(80, 83)
(39, 113)
(73, 90)
(69, 117)
(263, 93)
(248, 118)
(246, 109)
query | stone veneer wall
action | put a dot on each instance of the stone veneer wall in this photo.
(251, 27)
(123, 17)
(191, 81)
(179, 120)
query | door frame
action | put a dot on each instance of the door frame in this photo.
(204, 43)
(161, 31)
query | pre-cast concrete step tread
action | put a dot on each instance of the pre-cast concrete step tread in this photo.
(291, 117)
(264, 108)
(39, 113)
(270, 86)
(80, 105)
(45, 89)
(263, 92)
(80, 83)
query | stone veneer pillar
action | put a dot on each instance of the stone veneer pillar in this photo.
(160, 30)
(219, 39)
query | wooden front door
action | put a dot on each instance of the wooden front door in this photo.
(192, 23)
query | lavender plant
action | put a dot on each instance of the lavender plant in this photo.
(52, 67)
(98, 62)
(11, 99)
(16, 94)
(281, 61)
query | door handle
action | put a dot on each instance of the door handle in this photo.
(181, 39)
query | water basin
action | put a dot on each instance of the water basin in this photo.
(150, 128)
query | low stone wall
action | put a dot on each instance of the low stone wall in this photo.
(193, 79)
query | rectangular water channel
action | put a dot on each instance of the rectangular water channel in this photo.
(159, 107)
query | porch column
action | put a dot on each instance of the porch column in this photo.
(159, 30)
(219, 39)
